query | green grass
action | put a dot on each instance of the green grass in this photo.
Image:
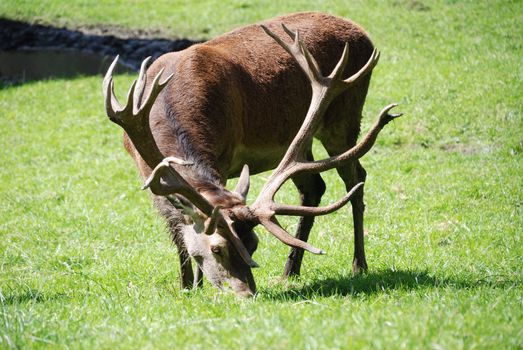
(86, 263)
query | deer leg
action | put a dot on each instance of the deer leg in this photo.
(198, 277)
(187, 277)
(174, 219)
(335, 141)
(358, 208)
(351, 175)
(311, 188)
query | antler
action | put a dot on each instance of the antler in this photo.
(164, 179)
(324, 90)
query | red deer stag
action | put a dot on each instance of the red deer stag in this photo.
(196, 117)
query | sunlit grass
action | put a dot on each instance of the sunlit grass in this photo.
(86, 263)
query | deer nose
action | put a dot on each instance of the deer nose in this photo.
(243, 290)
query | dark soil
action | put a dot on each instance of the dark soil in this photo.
(106, 42)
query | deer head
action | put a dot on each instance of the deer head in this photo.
(216, 256)
(218, 230)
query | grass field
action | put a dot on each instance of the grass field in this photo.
(85, 262)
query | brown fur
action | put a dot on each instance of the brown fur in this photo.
(240, 99)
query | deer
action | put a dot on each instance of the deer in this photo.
(245, 102)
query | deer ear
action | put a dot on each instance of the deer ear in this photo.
(242, 188)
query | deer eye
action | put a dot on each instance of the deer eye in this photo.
(216, 249)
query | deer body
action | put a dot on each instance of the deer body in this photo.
(246, 97)
(241, 99)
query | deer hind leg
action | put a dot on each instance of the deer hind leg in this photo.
(359, 174)
(174, 219)
(358, 208)
(352, 174)
(342, 134)
(336, 142)
(311, 188)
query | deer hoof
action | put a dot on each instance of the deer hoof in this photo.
(357, 268)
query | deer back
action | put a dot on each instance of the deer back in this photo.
(240, 98)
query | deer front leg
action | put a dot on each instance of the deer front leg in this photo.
(198, 277)
(174, 219)
(187, 277)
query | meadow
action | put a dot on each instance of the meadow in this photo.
(85, 261)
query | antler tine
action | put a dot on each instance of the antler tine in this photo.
(368, 67)
(299, 52)
(159, 171)
(312, 69)
(299, 210)
(355, 152)
(243, 185)
(289, 32)
(277, 39)
(212, 221)
(273, 226)
(129, 105)
(165, 180)
(156, 88)
(337, 72)
(141, 82)
(113, 108)
(312, 64)
(111, 102)
(236, 241)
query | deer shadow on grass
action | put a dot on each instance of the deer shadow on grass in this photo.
(376, 282)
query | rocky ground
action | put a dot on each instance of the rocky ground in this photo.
(132, 46)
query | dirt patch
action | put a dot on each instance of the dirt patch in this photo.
(104, 42)
(467, 149)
